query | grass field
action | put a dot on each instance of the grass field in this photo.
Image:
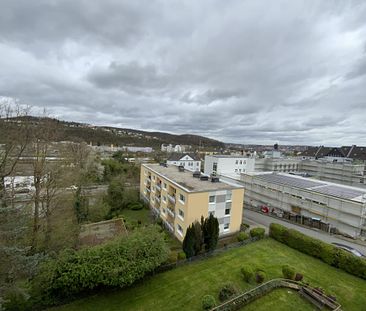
(183, 288)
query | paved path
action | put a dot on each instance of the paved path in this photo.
(259, 219)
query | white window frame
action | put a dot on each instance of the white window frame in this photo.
(179, 214)
(228, 227)
(180, 230)
(184, 198)
(214, 201)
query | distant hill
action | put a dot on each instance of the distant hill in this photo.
(103, 135)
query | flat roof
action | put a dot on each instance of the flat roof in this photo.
(187, 182)
(323, 187)
(229, 156)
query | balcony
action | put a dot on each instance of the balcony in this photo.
(148, 189)
(171, 198)
(158, 186)
(155, 210)
(169, 226)
(170, 212)
(157, 199)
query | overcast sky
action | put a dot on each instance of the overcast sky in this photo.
(239, 71)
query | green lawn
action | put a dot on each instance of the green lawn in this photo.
(280, 300)
(144, 215)
(183, 288)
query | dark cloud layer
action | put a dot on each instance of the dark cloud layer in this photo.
(239, 71)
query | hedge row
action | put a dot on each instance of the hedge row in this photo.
(116, 264)
(326, 252)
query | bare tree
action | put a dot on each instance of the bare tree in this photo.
(14, 140)
(43, 135)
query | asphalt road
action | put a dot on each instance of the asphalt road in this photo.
(261, 220)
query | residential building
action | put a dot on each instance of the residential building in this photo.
(277, 164)
(177, 148)
(228, 165)
(179, 198)
(335, 207)
(189, 161)
(336, 154)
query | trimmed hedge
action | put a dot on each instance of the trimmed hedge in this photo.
(247, 273)
(208, 302)
(326, 252)
(242, 236)
(257, 232)
(288, 272)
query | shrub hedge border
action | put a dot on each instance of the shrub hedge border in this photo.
(316, 248)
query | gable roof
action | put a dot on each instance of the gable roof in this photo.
(353, 152)
(179, 156)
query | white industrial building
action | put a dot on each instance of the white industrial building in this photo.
(334, 207)
(338, 172)
(228, 165)
(189, 161)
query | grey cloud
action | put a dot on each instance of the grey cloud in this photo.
(247, 72)
(131, 77)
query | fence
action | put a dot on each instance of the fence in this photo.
(257, 292)
(205, 255)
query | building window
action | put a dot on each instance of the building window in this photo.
(164, 198)
(180, 229)
(182, 198)
(214, 167)
(241, 162)
(237, 161)
(164, 186)
(164, 210)
(211, 199)
(228, 196)
(226, 226)
(227, 211)
(236, 170)
(181, 214)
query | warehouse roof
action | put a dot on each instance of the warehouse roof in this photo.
(326, 188)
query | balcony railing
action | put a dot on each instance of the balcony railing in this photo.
(157, 199)
(155, 210)
(158, 187)
(171, 198)
(169, 226)
(170, 212)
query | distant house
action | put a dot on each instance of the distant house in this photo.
(336, 154)
(189, 161)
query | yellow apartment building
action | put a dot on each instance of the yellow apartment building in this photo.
(180, 197)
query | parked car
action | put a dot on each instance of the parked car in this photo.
(349, 249)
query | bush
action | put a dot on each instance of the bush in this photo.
(173, 257)
(260, 276)
(242, 236)
(208, 302)
(136, 206)
(227, 291)
(15, 300)
(115, 264)
(248, 273)
(298, 277)
(288, 272)
(328, 253)
(181, 256)
(244, 227)
(257, 232)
